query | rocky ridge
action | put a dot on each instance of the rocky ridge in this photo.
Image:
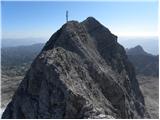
(82, 72)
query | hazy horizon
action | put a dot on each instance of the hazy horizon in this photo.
(149, 44)
(31, 22)
(42, 18)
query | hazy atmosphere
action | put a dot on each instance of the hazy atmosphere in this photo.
(34, 22)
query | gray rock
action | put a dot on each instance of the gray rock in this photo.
(82, 72)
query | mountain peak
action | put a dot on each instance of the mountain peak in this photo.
(138, 47)
(91, 19)
(70, 24)
(137, 50)
(72, 30)
(78, 74)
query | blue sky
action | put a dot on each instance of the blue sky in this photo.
(42, 19)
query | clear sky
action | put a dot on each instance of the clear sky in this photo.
(42, 19)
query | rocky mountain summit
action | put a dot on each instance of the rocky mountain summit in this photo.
(137, 50)
(82, 72)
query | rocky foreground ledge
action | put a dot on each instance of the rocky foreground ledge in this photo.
(82, 72)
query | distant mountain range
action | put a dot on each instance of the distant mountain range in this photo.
(149, 44)
(12, 57)
(10, 42)
(144, 63)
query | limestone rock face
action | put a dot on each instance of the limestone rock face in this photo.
(82, 72)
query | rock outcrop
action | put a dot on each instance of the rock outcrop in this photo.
(82, 72)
